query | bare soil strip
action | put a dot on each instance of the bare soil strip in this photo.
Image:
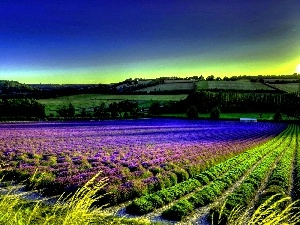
(20, 191)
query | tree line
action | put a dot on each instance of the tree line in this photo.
(114, 110)
(239, 102)
(197, 102)
(201, 102)
(21, 109)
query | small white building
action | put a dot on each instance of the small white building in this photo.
(248, 120)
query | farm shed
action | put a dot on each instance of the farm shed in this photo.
(248, 120)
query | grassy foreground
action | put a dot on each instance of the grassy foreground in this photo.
(78, 210)
(71, 210)
(269, 212)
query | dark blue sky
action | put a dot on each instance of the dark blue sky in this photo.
(108, 41)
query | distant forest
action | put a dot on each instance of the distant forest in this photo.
(240, 102)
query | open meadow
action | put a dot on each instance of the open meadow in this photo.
(289, 87)
(180, 85)
(235, 116)
(239, 85)
(89, 101)
(160, 170)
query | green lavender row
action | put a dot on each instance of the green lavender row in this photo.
(242, 196)
(210, 193)
(280, 180)
(297, 168)
(150, 202)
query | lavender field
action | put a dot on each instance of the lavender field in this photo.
(125, 151)
(138, 156)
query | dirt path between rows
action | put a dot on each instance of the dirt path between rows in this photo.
(252, 206)
(20, 191)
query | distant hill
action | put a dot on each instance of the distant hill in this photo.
(14, 89)
(176, 85)
(162, 85)
(14, 85)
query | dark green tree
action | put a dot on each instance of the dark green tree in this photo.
(277, 116)
(210, 78)
(114, 110)
(155, 108)
(71, 110)
(192, 112)
(126, 115)
(127, 106)
(215, 113)
(101, 112)
(67, 111)
(63, 111)
(83, 113)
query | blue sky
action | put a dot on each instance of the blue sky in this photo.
(109, 41)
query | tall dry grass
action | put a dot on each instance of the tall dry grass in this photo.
(76, 209)
(276, 210)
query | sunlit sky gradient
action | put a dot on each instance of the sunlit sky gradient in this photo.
(109, 41)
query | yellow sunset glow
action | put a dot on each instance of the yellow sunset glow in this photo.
(298, 68)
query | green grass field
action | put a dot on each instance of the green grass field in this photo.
(243, 85)
(259, 116)
(89, 101)
(176, 86)
(289, 88)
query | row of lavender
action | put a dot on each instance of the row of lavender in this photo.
(138, 156)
